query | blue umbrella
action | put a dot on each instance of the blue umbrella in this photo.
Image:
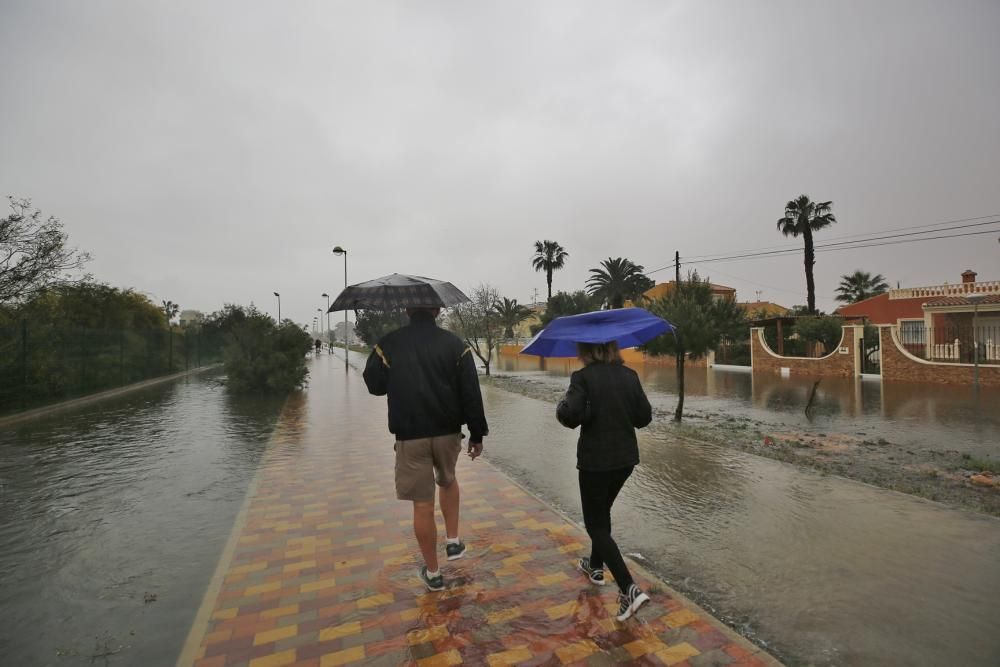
(626, 326)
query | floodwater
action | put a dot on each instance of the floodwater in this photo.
(920, 416)
(829, 570)
(107, 505)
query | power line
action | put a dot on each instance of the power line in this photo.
(780, 248)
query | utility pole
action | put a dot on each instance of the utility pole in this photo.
(758, 296)
(680, 347)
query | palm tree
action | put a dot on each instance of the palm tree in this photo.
(511, 314)
(860, 285)
(802, 218)
(620, 279)
(170, 309)
(549, 257)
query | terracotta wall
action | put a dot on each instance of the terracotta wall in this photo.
(898, 364)
(839, 364)
(632, 356)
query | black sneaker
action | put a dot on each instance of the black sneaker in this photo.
(455, 551)
(629, 603)
(595, 574)
(433, 584)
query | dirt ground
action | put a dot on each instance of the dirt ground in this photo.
(943, 475)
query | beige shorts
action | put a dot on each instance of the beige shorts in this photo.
(422, 462)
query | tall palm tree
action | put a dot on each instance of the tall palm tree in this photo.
(803, 217)
(170, 309)
(860, 285)
(620, 279)
(549, 257)
(511, 314)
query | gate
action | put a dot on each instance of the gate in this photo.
(870, 358)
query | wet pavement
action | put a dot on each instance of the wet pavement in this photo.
(321, 567)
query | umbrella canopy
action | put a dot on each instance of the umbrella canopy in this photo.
(398, 291)
(626, 326)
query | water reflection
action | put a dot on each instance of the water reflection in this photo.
(835, 572)
(108, 502)
(916, 415)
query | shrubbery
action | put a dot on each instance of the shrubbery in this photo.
(260, 355)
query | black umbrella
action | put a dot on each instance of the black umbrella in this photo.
(399, 291)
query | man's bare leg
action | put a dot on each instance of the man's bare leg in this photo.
(449, 497)
(425, 528)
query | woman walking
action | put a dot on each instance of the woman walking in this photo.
(606, 399)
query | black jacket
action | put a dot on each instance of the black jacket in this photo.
(430, 377)
(609, 403)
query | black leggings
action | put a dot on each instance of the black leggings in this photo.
(598, 491)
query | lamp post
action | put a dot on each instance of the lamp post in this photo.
(279, 307)
(341, 251)
(320, 316)
(329, 335)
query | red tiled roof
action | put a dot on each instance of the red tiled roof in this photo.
(963, 300)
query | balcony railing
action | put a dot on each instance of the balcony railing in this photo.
(957, 289)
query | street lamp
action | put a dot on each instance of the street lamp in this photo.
(320, 311)
(329, 335)
(279, 307)
(341, 251)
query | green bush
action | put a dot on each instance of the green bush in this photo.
(824, 329)
(260, 355)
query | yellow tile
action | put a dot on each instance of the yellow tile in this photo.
(515, 513)
(679, 653)
(400, 560)
(370, 523)
(390, 548)
(570, 548)
(280, 611)
(375, 601)
(352, 628)
(576, 651)
(252, 567)
(411, 614)
(223, 614)
(317, 585)
(352, 654)
(329, 524)
(509, 657)
(503, 615)
(514, 560)
(422, 635)
(484, 524)
(262, 588)
(642, 647)
(528, 523)
(354, 512)
(301, 565)
(269, 636)
(550, 579)
(275, 659)
(452, 657)
(406, 522)
(680, 617)
(561, 610)
(349, 563)
(361, 540)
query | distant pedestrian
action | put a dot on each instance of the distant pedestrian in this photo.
(605, 398)
(430, 378)
(319, 345)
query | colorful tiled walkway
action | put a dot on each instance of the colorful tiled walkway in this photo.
(321, 567)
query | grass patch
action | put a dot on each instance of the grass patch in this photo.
(985, 465)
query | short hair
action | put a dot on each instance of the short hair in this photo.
(607, 353)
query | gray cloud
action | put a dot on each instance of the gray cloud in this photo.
(216, 152)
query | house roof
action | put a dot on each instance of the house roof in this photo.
(962, 301)
(767, 307)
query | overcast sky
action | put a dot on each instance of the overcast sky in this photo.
(211, 152)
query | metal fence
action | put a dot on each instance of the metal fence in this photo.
(954, 344)
(42, 363)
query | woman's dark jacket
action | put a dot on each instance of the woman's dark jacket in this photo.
(607, 400)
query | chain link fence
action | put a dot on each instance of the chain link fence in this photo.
(43, 363)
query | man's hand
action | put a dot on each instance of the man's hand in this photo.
(475, 449)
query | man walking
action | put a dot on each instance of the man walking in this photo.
(430, 378)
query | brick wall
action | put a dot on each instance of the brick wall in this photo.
(838, 364)
(898, 364)
(633, 356)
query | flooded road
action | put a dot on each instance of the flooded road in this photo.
(107, 506)
(829, 570)
(921, 416)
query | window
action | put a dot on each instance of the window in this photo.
(911, 332)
